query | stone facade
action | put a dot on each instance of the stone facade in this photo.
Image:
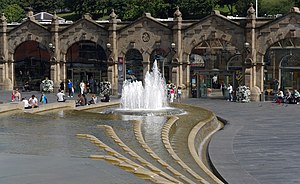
(219, 42)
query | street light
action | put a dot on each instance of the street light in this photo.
(173, 46)
(108, 48)
(52, 47)
(171, 51)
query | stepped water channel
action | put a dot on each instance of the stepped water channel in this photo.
(52, 133)
(156, 147)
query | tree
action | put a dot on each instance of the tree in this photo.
(196, 8)
(14, 13)
(230, 4)
(274, 7)
(242, 7)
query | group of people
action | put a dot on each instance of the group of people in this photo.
(291, 97)
(227, 89)
(32, 102)
(174, 92)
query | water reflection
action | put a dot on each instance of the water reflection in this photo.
(53, 132)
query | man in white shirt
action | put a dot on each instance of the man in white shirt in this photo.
(26, 103)
(230, 90)
(33, 102)
(60, 96)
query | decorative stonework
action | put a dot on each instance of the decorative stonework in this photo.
(145, 37)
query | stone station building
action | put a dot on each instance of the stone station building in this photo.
(242, 51)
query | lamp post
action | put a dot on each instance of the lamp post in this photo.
(52, 47)
(108, 49)
(171, 51)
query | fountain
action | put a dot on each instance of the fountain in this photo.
(151, 96)
(144, 100)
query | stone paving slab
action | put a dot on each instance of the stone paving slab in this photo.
(261, 143)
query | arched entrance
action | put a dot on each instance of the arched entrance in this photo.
(163, 62)
(208, 62)
(235, 73)
(290, 71)
(31, 65)
(282, 66)
(87, 61)
(134, 65)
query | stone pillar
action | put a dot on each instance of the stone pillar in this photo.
(177, 72)
(186, 72)
(55, 55)
(6, 78)
(250, 76)
(113, 53)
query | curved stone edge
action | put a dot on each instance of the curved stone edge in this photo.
(110, 132)
(165, 137)
(228, 169)
(10, 107)
(124, 163)
(203, 131)
(97, 105)
(139, 137)
(69, 104)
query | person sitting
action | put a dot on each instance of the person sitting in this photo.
(60, 96)
(43, 98)
(279, 96)
(26, 86)
(288, 97)
(17, 95)
(296, 96)
(26, 103)
(106, 98)
(33, 102)
(80, 101)
(93, 100)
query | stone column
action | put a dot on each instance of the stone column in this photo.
(177, 73)
(250, 73)
(55, 55)
(6, 78)
(113, 53)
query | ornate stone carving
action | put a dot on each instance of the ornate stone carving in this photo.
(145, 37)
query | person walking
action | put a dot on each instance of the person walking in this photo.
(70, 88)
(223, 88)
(62, 85)
(172, 94)
(82, 86)
(230, 90)
(179, 93)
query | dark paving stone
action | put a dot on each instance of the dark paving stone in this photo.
(259, 145)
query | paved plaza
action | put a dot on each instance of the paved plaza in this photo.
(259, 144)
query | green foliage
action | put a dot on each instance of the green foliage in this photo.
(228, 5)
(68, 16)
(242, 7)
(273, 7)
(132, 9)
(196, 8)
(13, 13)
